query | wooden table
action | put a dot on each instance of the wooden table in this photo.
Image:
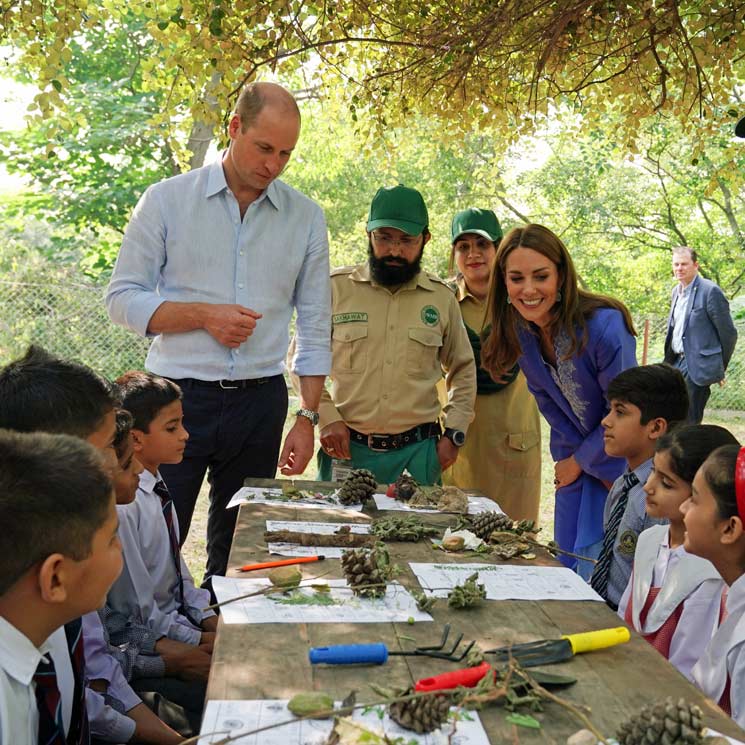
(271, 660)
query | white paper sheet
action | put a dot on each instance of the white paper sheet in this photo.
(507, 582)
(293, 549)
(397, 604)
(709, 732)
(258, 495)
(234, 717)
(320, 528)
(475, 505)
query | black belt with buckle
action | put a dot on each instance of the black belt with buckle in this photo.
(226, 385)
(394, 442)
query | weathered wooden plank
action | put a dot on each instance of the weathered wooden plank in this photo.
(257, 661)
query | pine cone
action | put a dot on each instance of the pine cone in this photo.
(485, 523)
(423, 714)
(366, 571)
(664, 723)
(405, 487)
(358, 487)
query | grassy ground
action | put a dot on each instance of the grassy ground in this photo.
(194, 549)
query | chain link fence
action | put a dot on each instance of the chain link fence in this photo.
(70, 320)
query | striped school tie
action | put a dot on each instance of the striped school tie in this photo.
(166, 502)
(601, 573)
(48, 699)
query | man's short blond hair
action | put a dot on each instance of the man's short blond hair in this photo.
(255, 96)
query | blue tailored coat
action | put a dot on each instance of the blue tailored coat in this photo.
(572, 398)
(709, 334)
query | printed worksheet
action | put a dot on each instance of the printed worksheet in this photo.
(293, 549)
(475, 505)
(222, 718)
(506, 582)
(315, 601)
(273, 495)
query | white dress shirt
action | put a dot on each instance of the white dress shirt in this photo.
(725, 655)
(19, 658)
(679, 314)
(147, 589)
(683, 578)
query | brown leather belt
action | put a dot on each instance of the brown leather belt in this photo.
(382, 443)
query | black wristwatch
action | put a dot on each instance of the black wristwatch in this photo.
(456, 436)
(308, 414)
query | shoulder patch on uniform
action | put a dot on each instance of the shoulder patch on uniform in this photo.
(342, 270)
(627, 542)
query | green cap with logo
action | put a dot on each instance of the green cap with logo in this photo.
(398, 207)
(475, 220)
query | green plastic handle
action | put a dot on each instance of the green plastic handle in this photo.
(591, 640)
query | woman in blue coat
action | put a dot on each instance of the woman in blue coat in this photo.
(570, 344)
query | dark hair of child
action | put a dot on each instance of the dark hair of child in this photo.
(55, 493)
(658, 391)
(144, 395)
(719, 473)
(41, 392)
(689, 446)
(124, 422)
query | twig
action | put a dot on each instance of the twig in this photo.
(264, 591)
(557, 550)
(541, 691)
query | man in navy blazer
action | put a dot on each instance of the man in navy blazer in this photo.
(701, 335)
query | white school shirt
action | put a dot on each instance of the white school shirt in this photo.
(147, 588)
(725, 655)
(19, 658)
(683, 578)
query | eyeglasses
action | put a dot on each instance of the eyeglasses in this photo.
(385, 241)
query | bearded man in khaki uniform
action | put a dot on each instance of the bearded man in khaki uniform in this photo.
(395, 330)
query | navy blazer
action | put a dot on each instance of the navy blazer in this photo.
(709, 334)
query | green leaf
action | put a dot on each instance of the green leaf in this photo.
(57, 85)
(523, 720)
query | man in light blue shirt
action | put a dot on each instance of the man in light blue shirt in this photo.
(212, 265)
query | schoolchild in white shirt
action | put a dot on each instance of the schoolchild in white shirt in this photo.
(673, 598)
(714, 518)
(60, 555)
(41, 392)
(156, 588)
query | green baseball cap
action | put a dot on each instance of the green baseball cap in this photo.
(398, 207)
(475, 220)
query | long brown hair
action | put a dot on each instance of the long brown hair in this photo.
(501, 347)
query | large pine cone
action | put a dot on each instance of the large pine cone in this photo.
(424, 714)
(664, 723)
(364, 572)
(358, 487)
(485, 523)
(405, 487)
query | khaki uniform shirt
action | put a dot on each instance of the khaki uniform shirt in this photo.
(502, 454)
(389, 350)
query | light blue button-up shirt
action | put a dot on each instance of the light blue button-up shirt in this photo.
(186, 243)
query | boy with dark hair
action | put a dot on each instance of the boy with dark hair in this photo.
(30, 388)
(40, 392)
(156, 589)
(60, 555)
(645, 402)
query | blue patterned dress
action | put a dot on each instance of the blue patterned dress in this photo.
(572, 398)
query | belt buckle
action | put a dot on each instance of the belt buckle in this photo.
(371, 440)
(227, 387)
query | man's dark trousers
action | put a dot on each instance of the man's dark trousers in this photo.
(234, 433)
(698, 395)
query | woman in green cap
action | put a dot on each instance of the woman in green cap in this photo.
(502, 454)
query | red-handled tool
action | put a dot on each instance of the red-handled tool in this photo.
(468, 677)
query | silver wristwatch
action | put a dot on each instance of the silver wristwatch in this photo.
(308, 414)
